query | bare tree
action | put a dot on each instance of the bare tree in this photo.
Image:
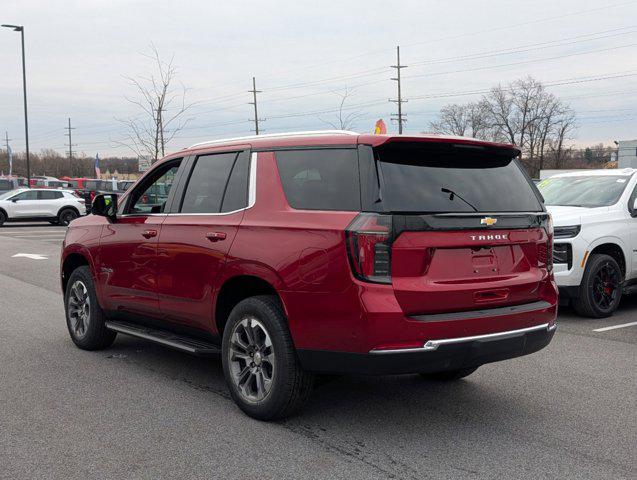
(344, 120)
(163, 109)
(464, 120)
(523, 113)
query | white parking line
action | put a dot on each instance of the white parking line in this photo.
(623, 325)
(36, 237)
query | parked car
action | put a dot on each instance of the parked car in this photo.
(93, 187)
(124, 185)
(595, 251)
(303, 254)
(8, 183)
(28, 204)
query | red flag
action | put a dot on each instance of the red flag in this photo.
(380, 127)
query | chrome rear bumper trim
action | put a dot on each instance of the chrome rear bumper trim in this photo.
(432, 345)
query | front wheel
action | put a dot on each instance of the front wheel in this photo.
(449, 375)
(260, 364)
(601, 287)
(84, 316)
(3, 217)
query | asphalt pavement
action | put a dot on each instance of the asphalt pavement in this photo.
(138, 410)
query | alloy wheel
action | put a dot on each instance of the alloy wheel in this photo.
(79, 309)
(251, 359)
(605, 287)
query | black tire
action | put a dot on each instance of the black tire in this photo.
(449, 375)
(289, 386)
(94, 335)
(3, 217)
(66, 216)
(597, 298)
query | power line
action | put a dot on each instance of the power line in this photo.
(399, 100)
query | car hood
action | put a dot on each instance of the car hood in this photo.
(565, 216)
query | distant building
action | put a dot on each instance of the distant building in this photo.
(627, 154)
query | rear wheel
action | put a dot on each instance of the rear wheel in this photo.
(259, 361)
(601, 288)
(449, 375)
(66, 216)
(84, 316)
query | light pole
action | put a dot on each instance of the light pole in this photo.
(20, 28)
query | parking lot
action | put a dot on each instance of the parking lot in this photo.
(138, 410)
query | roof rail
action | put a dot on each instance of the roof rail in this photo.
(276, 135)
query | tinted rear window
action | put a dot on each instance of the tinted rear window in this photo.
(207, 183)
(49, 195)
(453, 180)
(325, 179)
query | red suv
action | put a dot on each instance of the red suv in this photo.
(302, 254)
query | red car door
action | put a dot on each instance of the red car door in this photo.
(196, 237)
(127, 262)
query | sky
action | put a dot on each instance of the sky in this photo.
(80, 53)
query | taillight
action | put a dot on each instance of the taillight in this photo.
(369, 239)
(545, 250)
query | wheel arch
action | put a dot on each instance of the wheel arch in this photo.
(68, 207)
(237, 288)
(612, 248)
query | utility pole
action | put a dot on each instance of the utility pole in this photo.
(254, 92)
(399, 101)
(70, 145)
(6, 143)
(20, 28)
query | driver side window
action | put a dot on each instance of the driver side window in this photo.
(29, 195)
(152, 194)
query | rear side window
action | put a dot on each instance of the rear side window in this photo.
(236, 196)
(49, 195)
(325, 179)
(448, 179)
(207, 183)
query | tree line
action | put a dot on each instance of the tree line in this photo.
(50, 163)
(523, 113)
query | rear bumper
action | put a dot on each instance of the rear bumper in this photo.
(433, 355)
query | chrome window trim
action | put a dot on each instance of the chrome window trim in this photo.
(432, 345)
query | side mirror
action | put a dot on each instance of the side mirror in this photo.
(105, 206)
(15, 200)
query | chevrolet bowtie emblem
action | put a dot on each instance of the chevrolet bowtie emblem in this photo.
(488, 221)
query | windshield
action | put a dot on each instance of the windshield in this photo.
(6, 195)
(583, 191)
(453, 181)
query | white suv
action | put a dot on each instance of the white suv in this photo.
(595, 243)
(58, 207)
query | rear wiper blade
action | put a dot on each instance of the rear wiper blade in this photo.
(453, 194)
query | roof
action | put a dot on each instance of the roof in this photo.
(334, 137)
(625, 172)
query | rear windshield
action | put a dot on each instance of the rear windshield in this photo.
(453, 180)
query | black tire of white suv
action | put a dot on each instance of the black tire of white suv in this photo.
(260, 364)
(66, 216)
(84, 316)
(601, 288)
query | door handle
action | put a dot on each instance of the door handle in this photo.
(149, 233)
(216, 236)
